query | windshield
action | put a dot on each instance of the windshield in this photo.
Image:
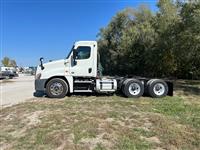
(70, 52)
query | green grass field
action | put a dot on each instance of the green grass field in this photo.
(105, 122)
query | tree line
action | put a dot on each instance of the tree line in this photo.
(161, 43)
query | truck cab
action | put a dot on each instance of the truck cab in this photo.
(83, 59)
(80, 72)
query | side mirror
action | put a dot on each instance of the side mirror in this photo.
(74, 56)
(41, 63)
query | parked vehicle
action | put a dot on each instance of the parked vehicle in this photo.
(2, 76)
(30, 70)
(9, 72)
(80, 72)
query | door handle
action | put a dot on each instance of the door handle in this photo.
(90, 70)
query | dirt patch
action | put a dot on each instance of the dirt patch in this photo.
(33, 118)
(153, 139)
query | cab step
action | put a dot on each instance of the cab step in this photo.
(86, 91)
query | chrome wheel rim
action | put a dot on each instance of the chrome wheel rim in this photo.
(159, 89)
(56, 88)
(134, 88)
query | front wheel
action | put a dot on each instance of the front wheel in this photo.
(56, 88)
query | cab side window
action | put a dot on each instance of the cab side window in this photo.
(83, 52)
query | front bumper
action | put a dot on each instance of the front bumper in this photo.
(40, 84)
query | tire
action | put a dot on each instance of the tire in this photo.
(157, 88)
(133, 88)
(56, 88)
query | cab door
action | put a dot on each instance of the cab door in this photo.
(83, 64)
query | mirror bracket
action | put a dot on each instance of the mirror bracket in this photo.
(41, 63)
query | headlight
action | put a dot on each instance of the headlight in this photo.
(38, 76)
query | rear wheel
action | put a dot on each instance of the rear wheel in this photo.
(157, 88)
(133, 88)
(56, 88)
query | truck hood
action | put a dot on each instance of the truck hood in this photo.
(54, 63)
(54, 68)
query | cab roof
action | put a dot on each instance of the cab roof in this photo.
(86, 42)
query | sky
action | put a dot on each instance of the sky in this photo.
(31, 29)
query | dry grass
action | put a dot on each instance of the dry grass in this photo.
(103, 122)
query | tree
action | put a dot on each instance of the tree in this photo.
(165, 22)
(125, 42)
(187, 47)
(7, 62)
(156, 44)
(13, 63)
(109, 39)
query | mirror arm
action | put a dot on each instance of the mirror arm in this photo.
(41, 63)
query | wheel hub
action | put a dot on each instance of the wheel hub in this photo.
(134, 89)
(56, 88)
(159, 89)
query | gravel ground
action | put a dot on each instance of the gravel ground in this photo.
(14, 91)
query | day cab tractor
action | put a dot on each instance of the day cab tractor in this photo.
(80, 72)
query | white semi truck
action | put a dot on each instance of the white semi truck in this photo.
(80, 72)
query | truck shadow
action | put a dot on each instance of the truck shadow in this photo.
(42, 94)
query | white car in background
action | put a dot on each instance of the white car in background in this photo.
(8, 72)
(30, 70)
